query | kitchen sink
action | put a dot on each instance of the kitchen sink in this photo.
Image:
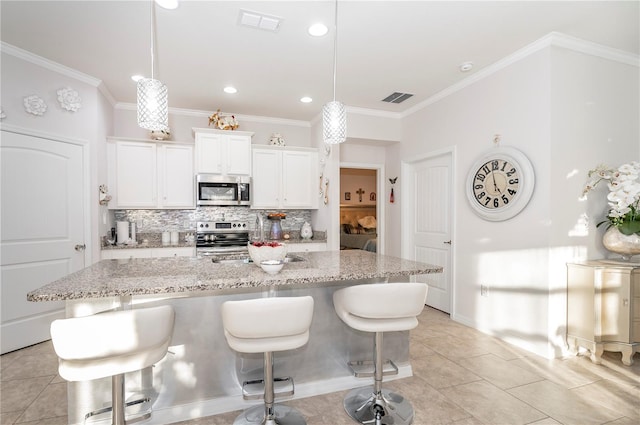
(246, 260)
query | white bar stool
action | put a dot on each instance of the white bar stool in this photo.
(111, 344)
(265, 325)
(378, 308)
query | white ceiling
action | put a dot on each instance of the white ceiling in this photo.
(383, 46)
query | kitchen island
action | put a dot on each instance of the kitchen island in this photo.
(201, 375)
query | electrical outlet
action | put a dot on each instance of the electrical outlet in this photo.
(484, 291)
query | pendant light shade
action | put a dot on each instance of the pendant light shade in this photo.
(334, 114)
(153, 104)
(334, 123)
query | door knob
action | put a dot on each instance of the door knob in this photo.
(447, 242)
(80, 247)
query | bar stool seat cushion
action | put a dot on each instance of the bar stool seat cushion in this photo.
(381, 307)
(111, 343)
(267, 324)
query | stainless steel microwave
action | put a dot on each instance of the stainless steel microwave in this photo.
(217, 190)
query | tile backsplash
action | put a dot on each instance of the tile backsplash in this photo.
(155, 221)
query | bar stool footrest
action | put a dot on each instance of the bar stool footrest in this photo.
(254, 389)
(366, 369)
(127, 404)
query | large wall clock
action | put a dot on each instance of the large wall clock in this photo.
(500, 183)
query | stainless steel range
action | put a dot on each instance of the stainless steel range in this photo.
(221, 237)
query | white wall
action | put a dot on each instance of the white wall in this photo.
(594, 120)
(24, 74)
(538, 104)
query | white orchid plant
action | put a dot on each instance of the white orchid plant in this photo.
(623, 197)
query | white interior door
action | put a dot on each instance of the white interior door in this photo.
(427, 223)
(42, 210)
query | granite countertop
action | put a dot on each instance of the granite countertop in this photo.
(110, 278)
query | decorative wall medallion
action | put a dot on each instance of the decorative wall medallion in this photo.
(69, 99)
(2, 114)
(35, 105)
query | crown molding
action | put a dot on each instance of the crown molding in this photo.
(48, 64)
(373, 112)
(107, 94)
(56, 67)
(239, 117)
(555, 39)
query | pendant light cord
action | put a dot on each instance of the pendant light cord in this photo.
(152, 36)
(335, 51)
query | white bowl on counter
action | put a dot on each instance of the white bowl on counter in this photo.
(272, 266)
(267, 251)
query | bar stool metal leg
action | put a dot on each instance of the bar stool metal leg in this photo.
(270, 413)
(375, 405)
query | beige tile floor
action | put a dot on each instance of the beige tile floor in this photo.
(461, 377)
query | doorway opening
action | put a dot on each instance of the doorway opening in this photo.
(361, 215)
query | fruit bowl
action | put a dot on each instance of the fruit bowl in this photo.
(272, 266)
(262, 251)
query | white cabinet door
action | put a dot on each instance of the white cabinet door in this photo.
(265, 189)
(175, 176)
(125, 254)
(150, 175)
(238, 154)
(223, 152)
(174, 252)
(284, 178)
(307, 247)
(136, 175)
(299, 171)
(209, 153)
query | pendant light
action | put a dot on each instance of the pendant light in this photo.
(334, 114)
(153, 106)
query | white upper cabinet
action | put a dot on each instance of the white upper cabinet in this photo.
(284, 178)
(223, 152)
(146, 174)
(176, 178)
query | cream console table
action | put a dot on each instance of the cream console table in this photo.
(603, 308)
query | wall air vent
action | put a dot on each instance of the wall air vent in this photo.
(259, 20)
(397, 97)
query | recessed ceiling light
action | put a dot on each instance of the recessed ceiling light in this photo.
(306, 99)
(137, 78)
(230, 90)
(318, 30)
(465, 67)
(168, 4)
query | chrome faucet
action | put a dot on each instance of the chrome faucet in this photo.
(260, 225)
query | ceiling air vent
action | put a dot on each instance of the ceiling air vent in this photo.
(397, 97)
(259, 20)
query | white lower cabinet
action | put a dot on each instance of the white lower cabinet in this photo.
(307, 247)
(150, 175)
(119, 254)
(284, 178)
